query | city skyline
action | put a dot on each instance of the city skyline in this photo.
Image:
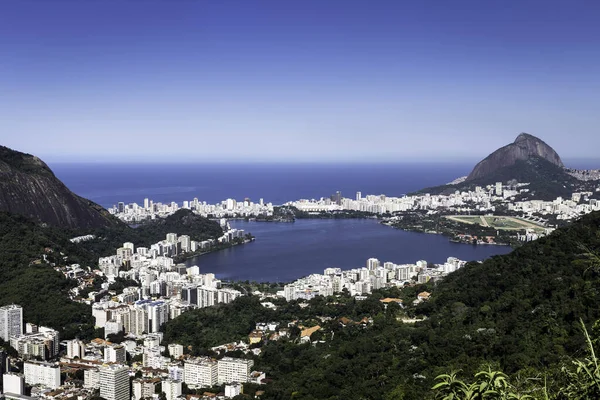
(305, 82)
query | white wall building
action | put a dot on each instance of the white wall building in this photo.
(200, 372)
(175, 350)
(91, 378)
(115, 354)
(114, 382)
(11, 321)
(75, 348)
(42, 373)
(233, 370)
(172, 389)
(13, 383)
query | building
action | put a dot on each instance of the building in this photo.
(115, 354)
(172, 389)
(39, 342)
(200, 372)
(42, 373)
(114, 382)
(13, 383)
(175, 350)
(11, 321)
(234, 389)
(144, 388)
(233, 370)
(91, 378)
(158, 314)
(75, 348)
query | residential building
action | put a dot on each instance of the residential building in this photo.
(75, 348)
(13, 383)
(42, 373)
(91, 378)
(175, 350)
(115, 354)
(144, 388)
(172, 389)
(200, 372)
(114, 382)
(11, 321)
(233, 370)
(234, 389)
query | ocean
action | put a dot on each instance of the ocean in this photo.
(284, 251)
(107, 184)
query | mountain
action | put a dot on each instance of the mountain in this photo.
(527, 160)
(523, 148)
(28, 187)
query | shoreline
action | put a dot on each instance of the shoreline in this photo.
(186, 257)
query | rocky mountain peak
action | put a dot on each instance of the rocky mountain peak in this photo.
(29, 187)
(523, 148)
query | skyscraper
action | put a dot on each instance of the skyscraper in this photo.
(11, 321)
(114, 382)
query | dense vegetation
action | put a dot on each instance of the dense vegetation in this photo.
(182, 222)
(519, 313)
(26, 280)
(337, 214)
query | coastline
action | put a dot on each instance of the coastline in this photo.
(222, 246)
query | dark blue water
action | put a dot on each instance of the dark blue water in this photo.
(282, 251)
(286, 251)
(107, 184)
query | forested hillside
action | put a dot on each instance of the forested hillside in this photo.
(519, 313)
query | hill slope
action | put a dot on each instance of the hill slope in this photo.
(524, 147)
(28, 187)
(519, 312)
(42, 291)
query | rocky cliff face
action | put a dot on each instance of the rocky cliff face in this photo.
(524, 147)
(30, 188)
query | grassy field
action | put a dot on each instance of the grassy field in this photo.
(496, 222)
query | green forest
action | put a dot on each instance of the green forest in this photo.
(518, 314)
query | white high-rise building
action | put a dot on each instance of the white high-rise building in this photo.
(11, 321)
(200, 372)
(146, 203)
(233, 370)
(171, 388)
(75, 348)
(115, 354)
(13, 383)
(144, 388)
(91, 378)
(114, 382)
(175, 350)
(129, 245)
(172, 238)
(158, 314)
(372, 264)
(42, 373)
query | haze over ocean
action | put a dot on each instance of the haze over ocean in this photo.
(108, 184)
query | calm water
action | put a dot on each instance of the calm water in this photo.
(285, 251)
(107, 184)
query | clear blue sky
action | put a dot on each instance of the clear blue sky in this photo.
(297, 80)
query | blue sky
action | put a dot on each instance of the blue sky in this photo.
(297, 81)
